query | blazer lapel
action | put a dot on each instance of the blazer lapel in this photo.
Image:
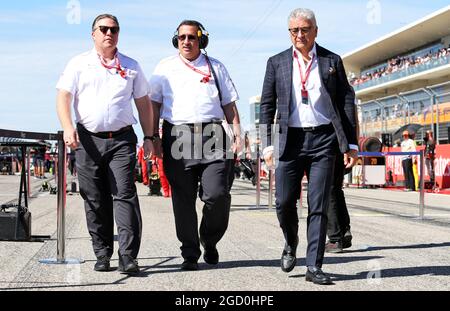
(287, 62)
(324, 65)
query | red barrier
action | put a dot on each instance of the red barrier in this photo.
(441, 165)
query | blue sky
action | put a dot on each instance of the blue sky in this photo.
(36, 41)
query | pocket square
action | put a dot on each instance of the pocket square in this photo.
(331, 70)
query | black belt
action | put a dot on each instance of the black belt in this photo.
(107, 134)
(194, 127)
(316, 128)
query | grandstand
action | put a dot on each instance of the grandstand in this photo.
(403, 77)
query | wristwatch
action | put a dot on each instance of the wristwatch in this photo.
(152, 138)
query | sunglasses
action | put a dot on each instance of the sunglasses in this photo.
(304, 30)
(104, 29)
(189, 37)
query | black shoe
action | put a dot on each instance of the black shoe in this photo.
(189, 264)
(128, 264)
(211, 256)
(347, 239)
(288, 259)
(316, 275)
(334, 247)
(102, 264)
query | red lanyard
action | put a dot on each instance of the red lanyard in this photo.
(206, 76)
(307, 72)
(117, 66)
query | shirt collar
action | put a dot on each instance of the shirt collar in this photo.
(195, 62)
(311, 53)
(95, 55)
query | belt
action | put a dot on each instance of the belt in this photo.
(195, 127)
(110, 134)
(316, 128)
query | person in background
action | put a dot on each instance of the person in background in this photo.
(338, 228)
(408, 145)
(143, 163)
(430, 146)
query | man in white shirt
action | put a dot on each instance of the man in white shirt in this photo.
(408, 145)
(308, 87)
(193, 93)
(101, 83)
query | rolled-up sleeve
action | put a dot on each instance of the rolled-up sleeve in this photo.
(155, 83)
(140, 84)
(227, 87)
(68, 80)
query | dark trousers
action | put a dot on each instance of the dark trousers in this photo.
(231, 163)
(208, 178)
(313, 153)
(429, 162)
(338, 217)
(105, 169)
(408, 173)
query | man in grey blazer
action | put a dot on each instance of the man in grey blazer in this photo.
(308, 87)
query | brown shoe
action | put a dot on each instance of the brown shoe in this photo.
(333, 247)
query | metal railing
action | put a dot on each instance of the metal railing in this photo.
(421, 174)
(61, 190)
(271, 177)
(372, 154)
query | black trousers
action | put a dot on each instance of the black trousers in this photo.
(338, 217)
(429, 162)
(209, 178)
(105, 169)
(313, 153)
(407, 165)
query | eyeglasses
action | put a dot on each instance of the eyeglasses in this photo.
(104, 29)
(189, 37)
(304, 30)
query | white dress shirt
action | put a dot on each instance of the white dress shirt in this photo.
(408, 145)
(183, 97)
(315, 113)
(101, 97)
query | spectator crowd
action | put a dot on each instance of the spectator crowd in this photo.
(397, 64)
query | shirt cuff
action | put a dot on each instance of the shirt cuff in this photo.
(353, 147)
(267, 150)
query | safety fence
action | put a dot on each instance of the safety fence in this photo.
(25, 140)
(363, 177)
(403, 154)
